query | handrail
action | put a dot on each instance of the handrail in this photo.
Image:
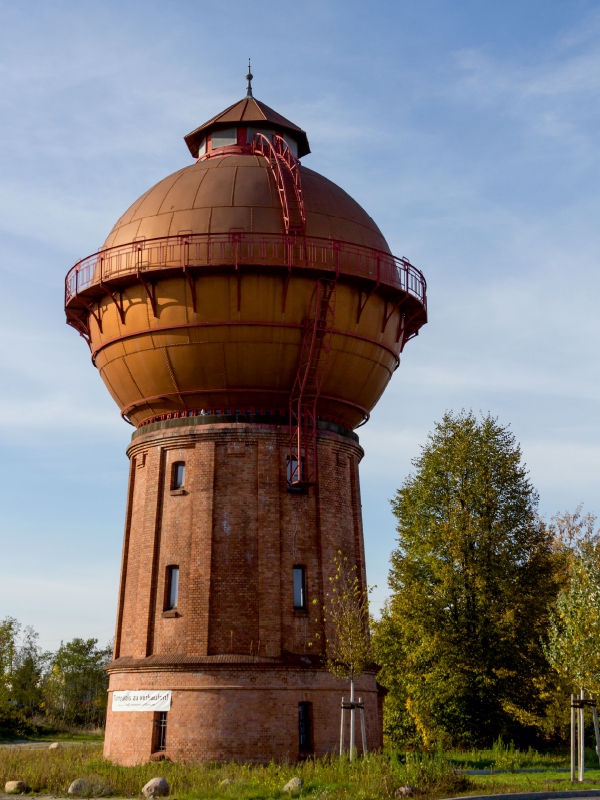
(197, 250)
(280, 159)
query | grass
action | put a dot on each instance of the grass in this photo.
(527, 782)
(374, 777)
(47, 733)
(507, 756)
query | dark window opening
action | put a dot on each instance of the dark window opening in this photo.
(178, 476)
(300, 588)
(172, 588)
(295, 473)
(160, 731)
(305, 727)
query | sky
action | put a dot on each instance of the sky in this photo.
(468, 130)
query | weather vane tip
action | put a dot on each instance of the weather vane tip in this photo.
(249, 77)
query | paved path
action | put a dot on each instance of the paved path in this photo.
(571, 794)
(514, 771)
(27, 743)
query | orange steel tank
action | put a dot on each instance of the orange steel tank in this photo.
(207, 296)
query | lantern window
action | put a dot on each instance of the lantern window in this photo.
(224, 138)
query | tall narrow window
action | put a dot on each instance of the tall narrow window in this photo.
(295, 472)
(160, 731)
(300, 588)
(305, 727)
(172, 588)
(178, 475)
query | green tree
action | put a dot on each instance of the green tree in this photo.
(348, 645)
(30, 663)
(9, 630)
(75, 689)
(459, 640)
(573, 646)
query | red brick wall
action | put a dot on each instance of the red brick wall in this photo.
(235, 533)
(239, 714)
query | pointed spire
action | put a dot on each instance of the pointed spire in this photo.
(249, 77)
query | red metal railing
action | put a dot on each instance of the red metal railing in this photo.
(286, 171)
(183, 251)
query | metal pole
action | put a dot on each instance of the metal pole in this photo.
(596, 728)
(362, 726)
(352, 718)
(342, 731)
(581, 740)
(573, 738)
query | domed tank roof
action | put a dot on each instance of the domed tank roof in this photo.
(246, 285)
(238, 192)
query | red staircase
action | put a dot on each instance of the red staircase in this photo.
(316, 345)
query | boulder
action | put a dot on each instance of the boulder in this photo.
(80, 788)
(94, 786)
(55, 746)
(16, 787)
(406, 791)
(157, 787)
(293, 785)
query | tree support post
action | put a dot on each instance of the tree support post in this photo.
(582, 738)
(573, 737)
(351, 718)
(361, 708)
(596, 728)
(351, 706)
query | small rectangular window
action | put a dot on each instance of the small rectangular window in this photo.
(224, 138)
(305, 727)
(160, 732)
(178, 478)
(300, 588)
(172, 588)
(202, 148)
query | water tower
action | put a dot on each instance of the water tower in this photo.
(246, 315)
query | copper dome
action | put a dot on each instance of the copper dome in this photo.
(203, 295)
(238, 192)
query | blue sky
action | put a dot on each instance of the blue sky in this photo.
(468, 129)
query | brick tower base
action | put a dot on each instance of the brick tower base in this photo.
(241, 656)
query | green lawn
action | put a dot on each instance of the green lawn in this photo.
(375, 777)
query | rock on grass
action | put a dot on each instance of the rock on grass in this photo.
(156, 787)
(293, 785)
(16, 787)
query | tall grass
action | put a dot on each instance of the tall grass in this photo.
(506, 756)
(368, 778)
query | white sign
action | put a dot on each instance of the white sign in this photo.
(141, 701)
